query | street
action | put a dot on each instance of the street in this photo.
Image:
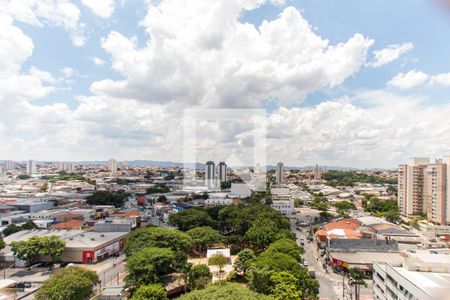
(330, 283)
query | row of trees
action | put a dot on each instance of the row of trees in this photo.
(107, 198)
(36, 246)
(349, 178)
(277, 271)
(383, 208)
(12, 228)
(153, 252)
(256, 224)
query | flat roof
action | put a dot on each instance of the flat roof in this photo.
(73, 238)
(368, 257)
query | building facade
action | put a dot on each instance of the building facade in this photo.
(279, 174)
(210, 175)
(31, 167)
(222, 171)
(112, 166)
(423, 189)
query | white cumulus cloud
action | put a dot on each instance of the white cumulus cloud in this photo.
(441, 79)
(408, 80)
(389, 54)
(200, 53)
(101, 8)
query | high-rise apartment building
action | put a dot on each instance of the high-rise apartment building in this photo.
(65, 166)
(222, 171)
(31, 167)
(423, 189)
(10, 165)
(317, 173)
(112, 166)
(210, 173)
(279, 174)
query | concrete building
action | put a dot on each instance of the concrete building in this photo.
(423, 189)
(222, 171)
(10, 165)
(114, 225)
(112, 165)
(31, 167)
(317, 172)
(422, 276)
(282, 200)
(210, 176)
(65, 166)
(86, 247)
(411, 186)
(279, 174)
(240, 190)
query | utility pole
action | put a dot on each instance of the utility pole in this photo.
(343, 285)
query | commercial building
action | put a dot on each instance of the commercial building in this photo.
(279, 174)
(423, 189)
(282, 200)
(222, 171)
(86, 247)
(31, 167)
(112, 165)
(66, 166)
(422, 276)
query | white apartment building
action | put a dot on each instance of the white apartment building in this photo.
(317, 172)
(31, 167)
(112, 166)
(65, 166)
(10, 165)
(423, 276)
(282, 200)
(279, 174)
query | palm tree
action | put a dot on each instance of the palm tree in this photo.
(356, 277)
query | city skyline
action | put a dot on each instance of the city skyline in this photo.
(112, 78)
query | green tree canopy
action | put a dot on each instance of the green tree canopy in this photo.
(198, 277)
(245, 257)
(145, 266)
(10, 229)
(153, 291)
(203, 237)
(73, 283)
(224, 291)
(218, 260)
(107, 198)
(261, 233)
(28, 225)
(53, 247)
(157, 237)
(190, 218)
(2, 243)
(285, 246)
(27, 250)
(285, 286)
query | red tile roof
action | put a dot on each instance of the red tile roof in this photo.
(349, 224)
(69, 216)
(73, 224)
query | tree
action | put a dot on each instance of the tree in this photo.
(285, 286)
(27, 250)
(146, 265)
(10, 229)
(44, 187)
(23, 177)
(153, 291)
(73, 283)
(204, 237)
(344, 206)
(2, 243)
(157, 237)
(28, 225)
(285, 246)
(162, 199)
(245, 257)
(198, 277)
(392, 216)
(191, 218)
(53, 247)
(107, 198)
(356, 278)
(224, 291)
(218, 260)
(259, 280)
(261, 233)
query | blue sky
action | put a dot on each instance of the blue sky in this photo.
(142, 69)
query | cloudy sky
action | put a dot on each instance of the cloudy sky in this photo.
(351, 83)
